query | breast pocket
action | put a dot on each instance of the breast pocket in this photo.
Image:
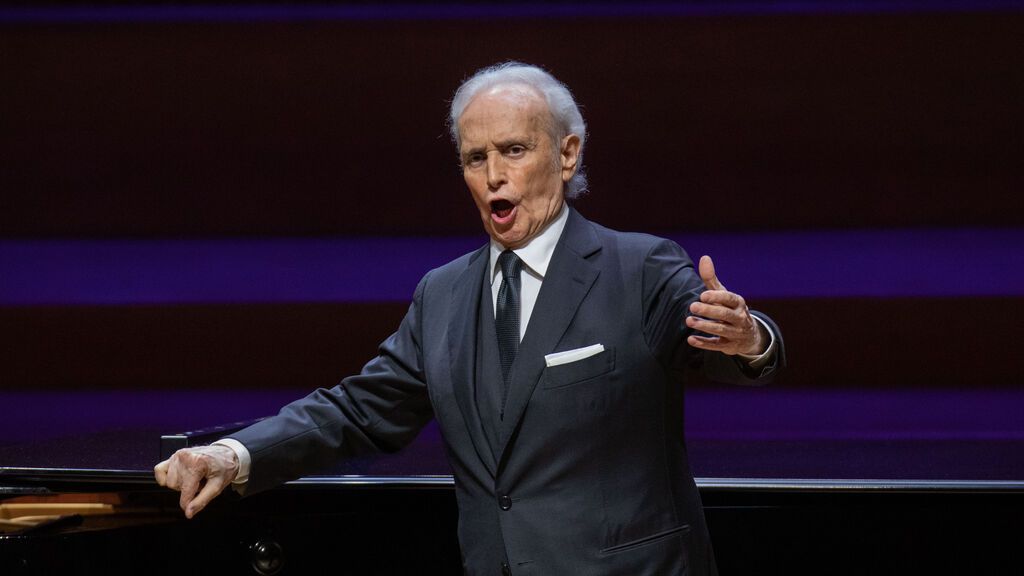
(580, 371)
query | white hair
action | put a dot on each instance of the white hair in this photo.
(565, 114)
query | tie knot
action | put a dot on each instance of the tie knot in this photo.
(510, 264)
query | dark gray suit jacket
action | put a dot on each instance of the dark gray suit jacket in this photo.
(590, 475)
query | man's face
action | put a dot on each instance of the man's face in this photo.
(513, 167)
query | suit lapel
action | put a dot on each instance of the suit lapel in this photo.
(569, 278)
(462, 345)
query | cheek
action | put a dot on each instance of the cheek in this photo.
(531, 182)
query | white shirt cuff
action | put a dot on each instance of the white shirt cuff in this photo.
(244, 460)
(760, 360)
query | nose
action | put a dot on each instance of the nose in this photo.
(495, 171)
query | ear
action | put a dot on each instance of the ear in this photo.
(569, 156)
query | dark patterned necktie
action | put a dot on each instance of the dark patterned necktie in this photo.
(506, 317)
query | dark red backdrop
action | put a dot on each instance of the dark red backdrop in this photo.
(335, 127)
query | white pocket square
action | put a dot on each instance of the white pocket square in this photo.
(576, 355)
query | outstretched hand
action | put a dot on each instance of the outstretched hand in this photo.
(200, 474)
(724, 316)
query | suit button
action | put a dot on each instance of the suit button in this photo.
(505, 570)
(505, 502)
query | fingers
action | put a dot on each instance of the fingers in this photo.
(723, 316)
(211, 489)
(721, 313)
(160, 472)
(707, 273)
(174, 472)
(200, 474)
(190, 486)
(747, 338)
(737, 314)
(173, 478)
(713, 343)
(716, 292)
(716, 328)
(723, 298)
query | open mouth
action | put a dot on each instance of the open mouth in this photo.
(502, 209)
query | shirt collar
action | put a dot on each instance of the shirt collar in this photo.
(536, 254)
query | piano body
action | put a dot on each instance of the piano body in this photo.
(775, 505)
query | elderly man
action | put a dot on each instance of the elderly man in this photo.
(552, 359)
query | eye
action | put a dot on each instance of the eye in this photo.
(475, 159)
(516, 150)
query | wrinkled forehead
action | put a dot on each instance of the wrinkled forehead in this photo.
(503, 109)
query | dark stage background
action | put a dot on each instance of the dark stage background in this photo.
(200, 199)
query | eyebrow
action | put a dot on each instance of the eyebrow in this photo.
(502, 144)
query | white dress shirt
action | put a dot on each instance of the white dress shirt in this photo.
(536, 255)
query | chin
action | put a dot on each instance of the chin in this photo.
(506, 241)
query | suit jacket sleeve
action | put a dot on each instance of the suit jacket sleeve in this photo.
(670, 284)
(381, 409)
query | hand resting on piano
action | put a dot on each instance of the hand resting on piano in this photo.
(199, 473)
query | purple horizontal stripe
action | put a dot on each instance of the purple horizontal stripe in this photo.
(219, 271)
(884, 263)
(457, 11)
(867, 263)
(780, 414)
(720, 413)
(56, 413)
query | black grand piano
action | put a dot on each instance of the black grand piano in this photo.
(814, 496)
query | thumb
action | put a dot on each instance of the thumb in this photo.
(707, 274)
